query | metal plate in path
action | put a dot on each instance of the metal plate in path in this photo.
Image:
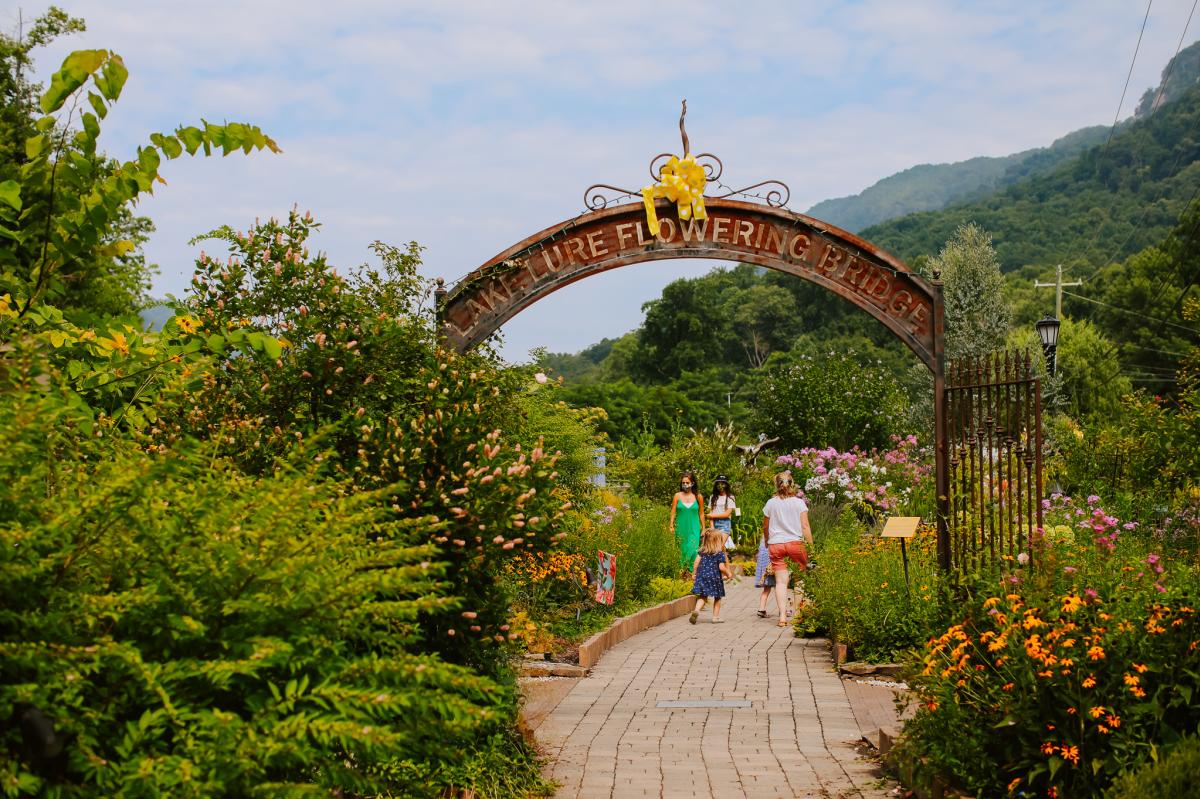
(703, 703)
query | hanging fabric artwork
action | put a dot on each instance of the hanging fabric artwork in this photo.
(606, 577)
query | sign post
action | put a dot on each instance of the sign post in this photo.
(904, 528)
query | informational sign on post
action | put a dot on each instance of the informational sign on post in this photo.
(606, 577)
(904, 528)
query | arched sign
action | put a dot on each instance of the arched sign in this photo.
(904, 302)
(883, 286)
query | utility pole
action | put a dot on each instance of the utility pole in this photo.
(1058, 286)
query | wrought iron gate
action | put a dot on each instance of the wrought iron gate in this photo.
(994, 442)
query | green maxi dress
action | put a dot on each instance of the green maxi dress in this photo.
(687, 532)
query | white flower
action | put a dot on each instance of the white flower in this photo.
(1023, 558)
(540, 377)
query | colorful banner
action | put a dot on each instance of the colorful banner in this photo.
(606, 577)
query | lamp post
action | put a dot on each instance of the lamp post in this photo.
(1047, 328)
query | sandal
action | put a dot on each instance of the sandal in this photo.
(762, 614)
(781, 623)
(693, 617)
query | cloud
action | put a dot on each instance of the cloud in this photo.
(470, 125)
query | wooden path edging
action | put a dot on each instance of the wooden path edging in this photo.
(591, 650)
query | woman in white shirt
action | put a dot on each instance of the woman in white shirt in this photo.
(785, 531)
(721, 507)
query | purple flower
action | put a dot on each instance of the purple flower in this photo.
(1093, 499)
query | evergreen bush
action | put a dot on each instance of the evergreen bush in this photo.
(1173, 777)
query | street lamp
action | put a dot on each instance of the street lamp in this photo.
(1047, 328)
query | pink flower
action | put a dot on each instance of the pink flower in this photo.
(540, 377)
(1070, 569)
(1091, 592)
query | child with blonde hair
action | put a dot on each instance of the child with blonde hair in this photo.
(711, 569)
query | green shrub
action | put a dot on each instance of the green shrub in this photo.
(1061, 679)
(193, 631)
(654, 474)
(828, 401)
(441, 431)
(1173, 777)
(858, 590)
(664, 589)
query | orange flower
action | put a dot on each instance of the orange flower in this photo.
(1071, 603)
(1139, 668)
(1047, 748)
(1096, 653)
(1089, 682)
(1138, 692)
(1070, 754)
(1012, 786)
(1006, 687)
(1113, 721)
(1131, 679)
(1097, 711)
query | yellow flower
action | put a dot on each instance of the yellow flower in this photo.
(1089, 682)
(187, 324)
(1097, 711)
(1096, 653)
(1139, 668)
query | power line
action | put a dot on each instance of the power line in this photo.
(1153, 106)
(1138, 314)
(1128, 76)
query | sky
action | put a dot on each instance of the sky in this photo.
(468, 126)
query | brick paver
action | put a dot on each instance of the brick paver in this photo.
(608, 738)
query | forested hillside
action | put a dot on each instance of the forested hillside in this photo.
(929, 187)
(1112, 201)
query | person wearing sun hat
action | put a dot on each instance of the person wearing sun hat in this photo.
(721, 508)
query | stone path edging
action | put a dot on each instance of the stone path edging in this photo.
(591, 650)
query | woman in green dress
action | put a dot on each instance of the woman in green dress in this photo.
(687, 520)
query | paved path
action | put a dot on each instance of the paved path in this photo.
(610, 738)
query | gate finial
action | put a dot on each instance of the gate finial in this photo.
(686, 147)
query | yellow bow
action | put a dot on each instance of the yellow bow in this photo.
(682, 181)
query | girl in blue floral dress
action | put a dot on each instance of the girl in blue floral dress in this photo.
(711, 569)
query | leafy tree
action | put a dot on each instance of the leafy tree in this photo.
(19, 96)
(828, 400)
(1089, 382)
(977, 315)
(362, 371)
(1143, 300)
(761, 317)
(61, 216)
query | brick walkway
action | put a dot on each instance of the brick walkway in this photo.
(793, 736)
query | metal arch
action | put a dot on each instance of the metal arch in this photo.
(484, 300)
